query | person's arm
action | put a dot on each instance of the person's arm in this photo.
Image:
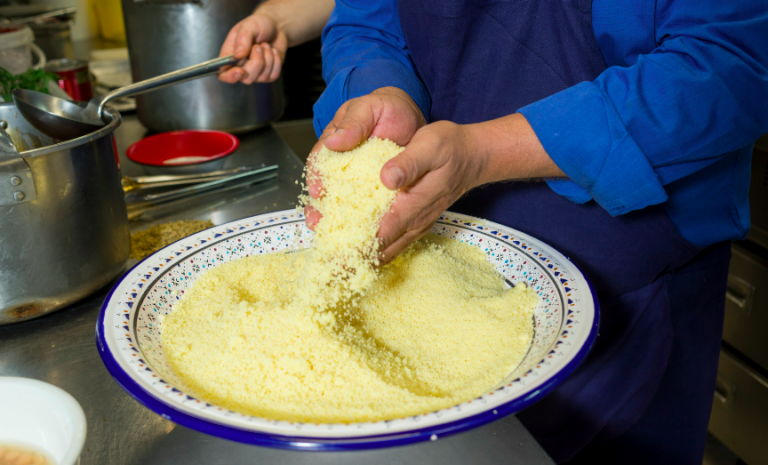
(265, 36)
(635, 129)
(364, 50)
(620, 139)
(370, 79)
(300, 20)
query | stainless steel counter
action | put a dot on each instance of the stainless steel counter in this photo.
(60, 349)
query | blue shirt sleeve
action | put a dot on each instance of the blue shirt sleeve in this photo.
(364, 50)
(699, 94)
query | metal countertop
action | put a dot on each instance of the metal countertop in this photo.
(60, 348)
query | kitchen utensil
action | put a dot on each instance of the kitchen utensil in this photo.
(131, 183)
(42, 416)
(183, 152)
(129, 327)
(137, 204)
(63, 225)
(68, 11)
(160, 42)
(66, 120)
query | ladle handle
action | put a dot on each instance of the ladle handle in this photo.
(187, 74)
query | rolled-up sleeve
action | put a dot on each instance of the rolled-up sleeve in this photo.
(700, 94)
(364, 50)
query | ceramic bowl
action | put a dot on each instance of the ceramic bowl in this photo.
(129, 330)
(42, 417)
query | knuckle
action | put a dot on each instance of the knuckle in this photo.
(411, 167)
(330, 129)
(341, 112)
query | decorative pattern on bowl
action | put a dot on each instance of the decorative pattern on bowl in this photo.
(130, 327)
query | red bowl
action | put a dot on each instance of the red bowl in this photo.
(189, 151)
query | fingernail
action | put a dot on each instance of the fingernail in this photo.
(240, 51)
(334, 136)
(238, 74)
(396, 175)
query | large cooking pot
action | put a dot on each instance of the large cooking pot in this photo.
(166, 35)
(63, 223)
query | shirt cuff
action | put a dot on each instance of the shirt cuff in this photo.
(585, 137)
(359, 80)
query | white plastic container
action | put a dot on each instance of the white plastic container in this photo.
(41, 417)
(16, 48)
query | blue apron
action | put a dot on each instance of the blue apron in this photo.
(645, 392)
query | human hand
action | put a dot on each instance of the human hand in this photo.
(387, 113)
(441, 162)
(259, 39)
(437, 167)
(444, 160)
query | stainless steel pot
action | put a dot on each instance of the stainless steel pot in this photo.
(67, 234)
(165, 35)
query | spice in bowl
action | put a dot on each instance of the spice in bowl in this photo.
(22, 455)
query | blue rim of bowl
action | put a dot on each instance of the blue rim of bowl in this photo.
(299, 443)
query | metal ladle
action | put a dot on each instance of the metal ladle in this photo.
(64, 120)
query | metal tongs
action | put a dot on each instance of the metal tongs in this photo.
(138, 203)
(133, 183)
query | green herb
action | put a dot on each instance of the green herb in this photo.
(33, 79)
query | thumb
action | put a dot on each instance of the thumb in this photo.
(355, 127)
(264, 34)
(262, 27)
(409, 166)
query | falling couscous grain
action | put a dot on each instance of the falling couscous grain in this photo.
(345, 247)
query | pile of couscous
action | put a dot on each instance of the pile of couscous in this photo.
(279, 336)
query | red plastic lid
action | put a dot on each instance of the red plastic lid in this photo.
(179, 148)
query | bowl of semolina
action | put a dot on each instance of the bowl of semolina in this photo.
(240, 331)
